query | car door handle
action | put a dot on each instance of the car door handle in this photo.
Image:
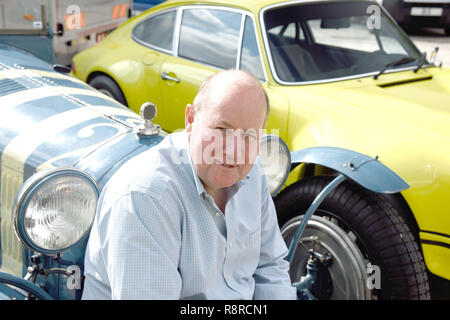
(165, 76)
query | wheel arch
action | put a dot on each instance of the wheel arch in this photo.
(366, 171)
(315, 164)
(94, 74)
(97, 73)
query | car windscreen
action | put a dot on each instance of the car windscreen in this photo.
(333, 40)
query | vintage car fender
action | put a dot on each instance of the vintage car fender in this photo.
(366, 171)
(7, 292)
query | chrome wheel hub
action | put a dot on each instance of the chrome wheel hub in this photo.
(348, 268)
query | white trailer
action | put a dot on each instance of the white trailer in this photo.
(76, 24)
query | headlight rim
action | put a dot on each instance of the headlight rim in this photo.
(288, 153)
(25, 194)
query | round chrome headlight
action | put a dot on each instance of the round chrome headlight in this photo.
(276, 159)
(54, 209)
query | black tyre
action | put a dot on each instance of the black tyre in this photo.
(109, 87)
(363, 233)
(447, 31)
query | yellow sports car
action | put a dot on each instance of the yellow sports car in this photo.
(338, 74)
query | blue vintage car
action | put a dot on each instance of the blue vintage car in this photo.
(61, 141)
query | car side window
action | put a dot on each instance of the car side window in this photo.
(250, 57)
(157, 31)
(210, 36)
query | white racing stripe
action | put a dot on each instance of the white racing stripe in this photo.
(20, 148)
(15, 72)
(12, 100)
(121, 130)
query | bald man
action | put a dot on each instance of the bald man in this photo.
(192, 218)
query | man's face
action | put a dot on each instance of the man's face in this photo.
(224, 136)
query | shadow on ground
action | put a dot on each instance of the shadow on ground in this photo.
(439, 287)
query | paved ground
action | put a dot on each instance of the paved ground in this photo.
(439, 288)
(426, 39)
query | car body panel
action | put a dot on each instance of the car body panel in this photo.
(359, 113)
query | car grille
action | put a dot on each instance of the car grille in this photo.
(11, 248)
(8, 86)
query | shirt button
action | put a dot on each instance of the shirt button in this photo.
(230, 244)
(228, 278)
(217, 214)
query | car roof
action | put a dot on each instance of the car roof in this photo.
(250, 5)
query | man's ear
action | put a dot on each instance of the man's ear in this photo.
(189, 117)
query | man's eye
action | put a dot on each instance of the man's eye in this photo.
(221, 131)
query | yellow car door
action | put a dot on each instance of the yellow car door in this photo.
(155, 37)
(179, 80)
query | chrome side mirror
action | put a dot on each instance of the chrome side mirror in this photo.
(148, 113)
(433, 57)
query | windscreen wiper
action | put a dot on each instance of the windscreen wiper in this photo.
(422, 61)
(399, 62)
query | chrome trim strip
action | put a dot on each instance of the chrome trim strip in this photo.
(259, 45)
(352, 77)
(176, 31)
(240, 44)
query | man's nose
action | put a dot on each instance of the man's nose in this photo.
(234, 149)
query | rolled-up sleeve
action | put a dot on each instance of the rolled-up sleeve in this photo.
(141, 248)
(272, 280)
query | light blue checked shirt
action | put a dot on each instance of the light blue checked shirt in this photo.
(159, 235)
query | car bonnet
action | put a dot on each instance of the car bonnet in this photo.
(414, 102)
(49, 119)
